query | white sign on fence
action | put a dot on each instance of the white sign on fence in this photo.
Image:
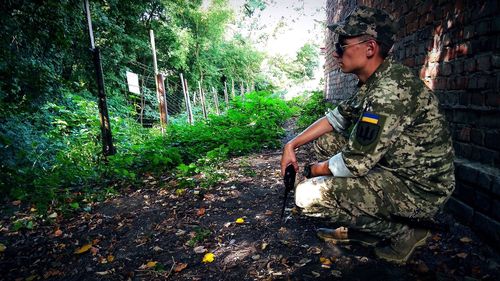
(133, 82)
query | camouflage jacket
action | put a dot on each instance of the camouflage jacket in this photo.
(398, 127)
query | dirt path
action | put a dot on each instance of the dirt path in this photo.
(157, 233)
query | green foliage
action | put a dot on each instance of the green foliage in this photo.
(309, 108)
(200, 235)
(53, 156)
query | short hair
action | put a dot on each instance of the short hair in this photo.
(383, 46)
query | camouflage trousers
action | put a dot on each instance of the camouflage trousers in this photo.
(367, 203)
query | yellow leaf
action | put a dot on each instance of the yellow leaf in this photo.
(110, 258)
(2, 248)
(240, 220)
(325, 260)
(83, 249)
(209, 257)
(151, 264)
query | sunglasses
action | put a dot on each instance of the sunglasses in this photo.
(339, 49)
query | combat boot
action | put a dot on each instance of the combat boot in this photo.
(341, 235)
(402, 246)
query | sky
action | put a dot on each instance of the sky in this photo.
(291, 23)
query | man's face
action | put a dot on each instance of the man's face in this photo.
(350, 53)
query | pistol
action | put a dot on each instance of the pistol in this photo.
(289, 180)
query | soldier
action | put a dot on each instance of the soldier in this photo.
(388, 156)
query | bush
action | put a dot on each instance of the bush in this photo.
(54, 155)
(309, 108)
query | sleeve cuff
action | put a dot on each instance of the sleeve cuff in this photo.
(338, 122)
(338, 168)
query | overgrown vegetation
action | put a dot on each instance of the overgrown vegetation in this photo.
(309, 108)
(60, 164)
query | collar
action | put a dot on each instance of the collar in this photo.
(379, 72)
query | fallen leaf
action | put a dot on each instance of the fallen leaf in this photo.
(201, 212)
(316, 274)
(337, 273)
(209, 257)
(180, 267)
(102, 273)
(263, 246)
(110, 258)
(151, 264)
(465, 239)
(462, 255)
(31, 278)
(94, 251)
(2, 248)
(199, 249)
(268, 213)
(325, 262)
(58, 233)
(314, 250)
(240, 220)
(303, 262)
(83, 249)
(53, 215)
(16, 203)
(157, 249)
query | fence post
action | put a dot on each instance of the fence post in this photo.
(160, 91)
(216, 101)
(186, 97)
(107, 139)
(202, 101)
(226, 98)
(232, 88)
(190, 111)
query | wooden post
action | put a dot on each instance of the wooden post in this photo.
(160, 91)
(143, 103)
(186, 98)
(216, 101)
(190, 112)
(232, 88)
(107, 138)
(226, 98)
(202, 101)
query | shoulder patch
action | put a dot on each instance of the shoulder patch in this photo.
(368, 128)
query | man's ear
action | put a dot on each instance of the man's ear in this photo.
(372, 48)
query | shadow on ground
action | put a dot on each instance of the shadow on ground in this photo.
(158, 233)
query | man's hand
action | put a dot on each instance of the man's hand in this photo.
(288, 158)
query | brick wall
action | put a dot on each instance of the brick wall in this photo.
(454, 47)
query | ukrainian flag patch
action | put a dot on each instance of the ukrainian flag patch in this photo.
(371, 118)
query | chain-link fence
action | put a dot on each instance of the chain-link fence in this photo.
(202, 100)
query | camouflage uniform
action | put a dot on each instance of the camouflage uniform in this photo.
(390, 155)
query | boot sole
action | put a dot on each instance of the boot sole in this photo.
(361, 240)
(419, 243)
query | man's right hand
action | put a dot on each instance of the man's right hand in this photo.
(288, 158)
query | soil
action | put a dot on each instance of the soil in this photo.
(160, 233)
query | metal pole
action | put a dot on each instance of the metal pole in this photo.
(107, 138)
